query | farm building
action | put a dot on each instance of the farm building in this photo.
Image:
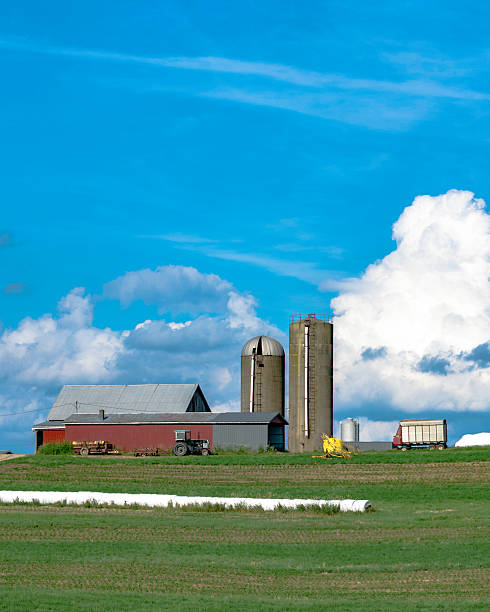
(223, 430)
(117, 399)
(133, 416)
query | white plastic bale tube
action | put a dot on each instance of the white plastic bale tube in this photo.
(162, 501)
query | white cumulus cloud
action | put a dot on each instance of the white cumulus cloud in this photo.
(47, 351)
(172, 288)
(42, 354)
(413, 331)
(372, 430)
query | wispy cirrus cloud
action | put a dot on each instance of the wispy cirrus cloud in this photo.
(279, 72)
(15, 289)
(380, 114)
(5, 239)
(211, 64)
(294, 247)
(432, 66)
(290, 74)
(307, 271)
(179, 238)
(374, 103)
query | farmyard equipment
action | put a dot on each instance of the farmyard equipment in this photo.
(333, 447)
(184, 445)
(95, 447)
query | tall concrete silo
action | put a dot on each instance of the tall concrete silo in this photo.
(310, 381)
(262, 376)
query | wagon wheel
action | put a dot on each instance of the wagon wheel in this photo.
(205, 451)
(180, 449)
(84, 451)
(441, 447)
(404, 448)
(432, 447)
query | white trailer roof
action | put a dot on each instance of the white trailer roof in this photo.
(407, 422)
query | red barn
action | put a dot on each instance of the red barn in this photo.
(82, 400)
(134, 417)
(252, 430)
(130, 431)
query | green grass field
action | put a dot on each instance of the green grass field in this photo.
(424, 547)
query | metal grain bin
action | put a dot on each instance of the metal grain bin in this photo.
(349, 430)
(262, 388)
(310, 381)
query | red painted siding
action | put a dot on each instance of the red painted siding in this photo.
(129, 437)
(53, 435)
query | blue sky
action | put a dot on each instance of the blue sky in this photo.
(272, 145)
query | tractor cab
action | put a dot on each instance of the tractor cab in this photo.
(185, 445)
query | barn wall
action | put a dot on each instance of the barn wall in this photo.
(53, 435)
(129, 437)
(244, 435)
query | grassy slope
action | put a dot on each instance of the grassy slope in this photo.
(425, 546)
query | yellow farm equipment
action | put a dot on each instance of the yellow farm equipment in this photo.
(333, 447)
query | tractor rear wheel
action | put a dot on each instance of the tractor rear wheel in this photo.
(205, 451)
(180, 449)
(84, 451)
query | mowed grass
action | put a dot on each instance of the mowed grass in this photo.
(424, 547)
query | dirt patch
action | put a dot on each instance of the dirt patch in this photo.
(158, 477)
(161, 578)
(291, 536)
(11, 456)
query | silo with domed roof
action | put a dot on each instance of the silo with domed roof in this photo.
(262, 387)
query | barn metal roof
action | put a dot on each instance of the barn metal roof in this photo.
(49, 425)
(247, 417)
(263, 345)
(126, 399)
(218, 418)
